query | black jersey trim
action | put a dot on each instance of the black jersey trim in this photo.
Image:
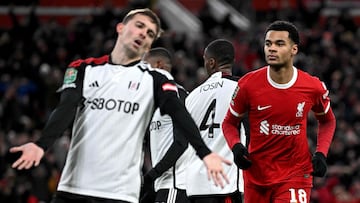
(231, 77)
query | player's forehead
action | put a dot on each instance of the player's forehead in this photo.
(139, 17)
(274, 35)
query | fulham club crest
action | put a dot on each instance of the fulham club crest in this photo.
(133, 85)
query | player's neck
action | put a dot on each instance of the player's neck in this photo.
(281, 75)
(225, 69)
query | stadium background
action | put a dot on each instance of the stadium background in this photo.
(39, 38)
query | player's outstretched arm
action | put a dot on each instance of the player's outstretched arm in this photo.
(213, 163)
(188, 128)
(60, 119)
(31, 155)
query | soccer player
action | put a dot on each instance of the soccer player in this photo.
(208, 104)
(110, 101)
(278, 98)
(166, 146)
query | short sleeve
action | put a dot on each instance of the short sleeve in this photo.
(322, 99)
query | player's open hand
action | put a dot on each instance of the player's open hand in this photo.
(31, 156)
(215, 169)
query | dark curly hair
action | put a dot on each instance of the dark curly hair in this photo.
(281, 25)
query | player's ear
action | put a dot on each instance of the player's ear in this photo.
(119, 27)
(294, 49)
(212, 63)
(159, 64)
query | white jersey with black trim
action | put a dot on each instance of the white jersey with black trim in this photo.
(208, 104)
(105, 156)
(161, 138)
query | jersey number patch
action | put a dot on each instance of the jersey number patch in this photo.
(210, 114)
(301, 196)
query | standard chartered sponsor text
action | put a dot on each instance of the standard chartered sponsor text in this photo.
(285, 130)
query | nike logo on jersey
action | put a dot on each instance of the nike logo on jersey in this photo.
(260, 108)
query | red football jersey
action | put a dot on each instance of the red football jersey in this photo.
(278, 114)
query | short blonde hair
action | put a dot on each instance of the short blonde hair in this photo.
(147, 12)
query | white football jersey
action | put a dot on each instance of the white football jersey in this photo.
(208, 104)
(161, 138)
(105, 156)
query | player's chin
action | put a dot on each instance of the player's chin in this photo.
(140, 49)
(274, 63)
(135, 47)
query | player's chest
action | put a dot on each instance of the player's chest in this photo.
(117, 83)
(286, 103)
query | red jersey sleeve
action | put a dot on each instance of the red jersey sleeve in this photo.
(325, 117)
(322, 104)
(234, 115)
(239, 101)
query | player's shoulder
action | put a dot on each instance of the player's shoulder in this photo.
(256, 72)
(181, 88)
(164, 72)
(89, 61)
(254, 76)
(312, 82)
(183, 93)
(231, 77)
(155, 72)
(309, 79)
(306, 76)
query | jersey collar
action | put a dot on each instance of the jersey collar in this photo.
(125, 65)
(282, 86)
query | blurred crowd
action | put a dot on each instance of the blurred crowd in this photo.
(35, 53)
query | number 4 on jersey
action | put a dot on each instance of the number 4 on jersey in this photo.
(209, 115)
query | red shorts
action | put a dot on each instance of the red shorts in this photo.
(281, 193)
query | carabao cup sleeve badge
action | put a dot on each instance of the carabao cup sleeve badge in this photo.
(70, 75)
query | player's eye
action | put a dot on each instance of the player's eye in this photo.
(151, 34)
